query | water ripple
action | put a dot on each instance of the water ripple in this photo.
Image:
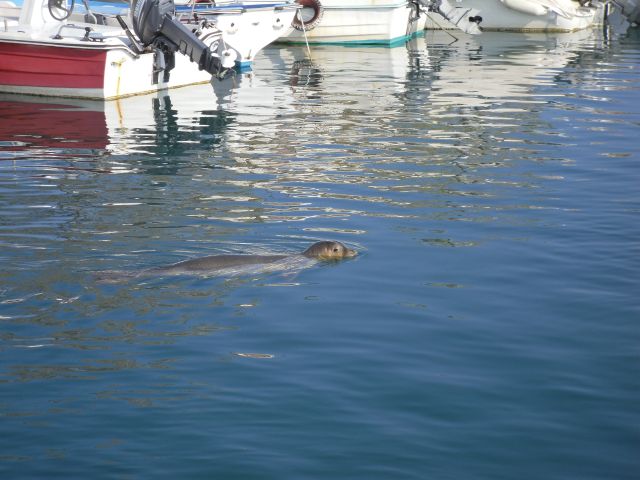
(489, 186)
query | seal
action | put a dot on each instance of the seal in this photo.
(233, 265)
(325, 251)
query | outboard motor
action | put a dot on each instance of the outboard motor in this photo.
(155, 24)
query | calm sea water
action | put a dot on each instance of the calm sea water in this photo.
(489, 328)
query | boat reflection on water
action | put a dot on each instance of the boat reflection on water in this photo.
(497, 66)
(47, 123)
(488, 91)
(330, 100)
(437, 97)
(162, 124)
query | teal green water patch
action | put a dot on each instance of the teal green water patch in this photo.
(394, 42)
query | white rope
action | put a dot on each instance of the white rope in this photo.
(304, 32)
(446, 30)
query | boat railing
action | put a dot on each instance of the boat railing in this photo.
(93, 34)
(90, 35)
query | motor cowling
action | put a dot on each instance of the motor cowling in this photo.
(155, 25)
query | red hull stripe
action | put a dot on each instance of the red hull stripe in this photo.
(55, 67)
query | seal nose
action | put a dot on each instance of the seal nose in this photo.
(350, 253)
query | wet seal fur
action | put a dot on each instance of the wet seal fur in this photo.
(326, 250)
(238, 264)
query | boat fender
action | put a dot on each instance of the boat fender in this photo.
(309, 23)
(526, 6)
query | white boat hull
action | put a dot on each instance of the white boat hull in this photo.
(40, 55)
(526, 15)
(246, 27)
(35, 63)
(360, 22)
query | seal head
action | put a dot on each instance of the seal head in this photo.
(329, 251)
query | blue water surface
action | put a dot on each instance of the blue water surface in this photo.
(488, 329)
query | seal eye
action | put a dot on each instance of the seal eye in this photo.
(335, 250)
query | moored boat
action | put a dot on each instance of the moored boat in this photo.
(527, 15)
(247, 27)
(44, 50)
(377, 22)
(122, 126)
